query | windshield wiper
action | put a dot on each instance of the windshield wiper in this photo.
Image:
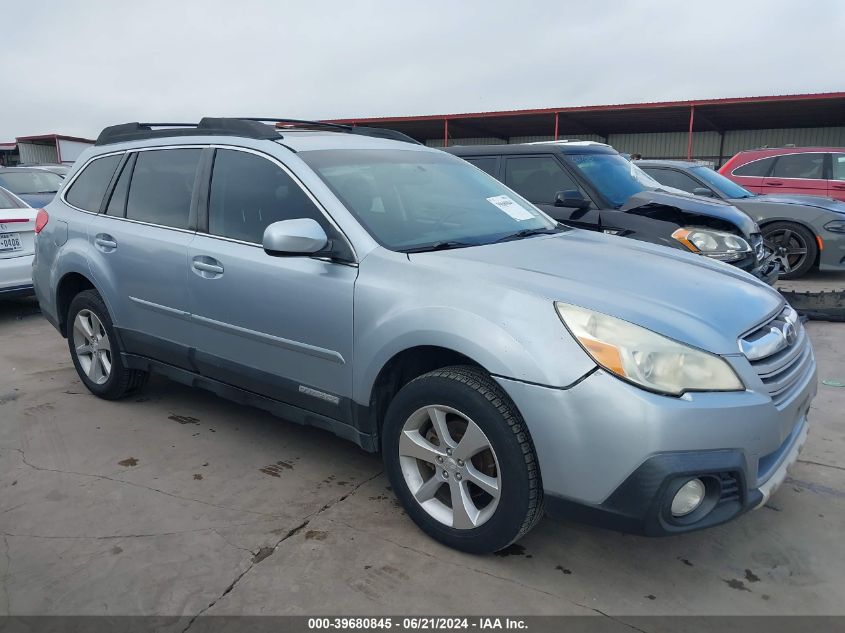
(437, 246)
(528, 233)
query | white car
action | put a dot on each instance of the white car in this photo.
(17, 245)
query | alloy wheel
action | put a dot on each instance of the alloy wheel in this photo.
(790, 248)
(450, 467)
(92, 345)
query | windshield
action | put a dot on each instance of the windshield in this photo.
(614, 177)
(716, 180)
(411, 199)
(30, 181)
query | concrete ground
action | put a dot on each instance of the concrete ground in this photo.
(176, 502)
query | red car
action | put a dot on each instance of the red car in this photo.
(817, 171)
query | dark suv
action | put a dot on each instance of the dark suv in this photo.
(590, 185)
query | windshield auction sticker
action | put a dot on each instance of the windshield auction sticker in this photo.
(510, 207)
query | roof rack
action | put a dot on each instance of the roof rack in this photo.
(375, 132)
(247, 127)
(208, 126)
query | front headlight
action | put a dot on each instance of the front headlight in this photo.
(837, 226)
(725, 247)
(649, 360)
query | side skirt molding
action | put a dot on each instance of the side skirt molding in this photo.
(242, 396)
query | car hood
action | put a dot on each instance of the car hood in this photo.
(689, 298)
(695, 205)
(818, 202)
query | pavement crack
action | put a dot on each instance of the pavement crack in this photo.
(253, 562)
(137, 485)
(264, 553)
(807, 461)
(610, 617)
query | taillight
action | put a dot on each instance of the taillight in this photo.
(41, 220)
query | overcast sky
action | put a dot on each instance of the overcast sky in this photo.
(74, 66)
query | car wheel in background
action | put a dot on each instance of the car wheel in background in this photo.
(95, 350)
(461, 461)
(795, 247)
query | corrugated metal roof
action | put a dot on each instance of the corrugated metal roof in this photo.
(719, 115)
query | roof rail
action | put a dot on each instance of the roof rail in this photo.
(375, 132)
(207, 126)
(247, 127)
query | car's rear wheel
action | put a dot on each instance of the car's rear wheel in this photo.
(795, 248)
(461, 460)
(95, 349)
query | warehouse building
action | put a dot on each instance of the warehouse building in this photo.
(708, 130)
(43, 149)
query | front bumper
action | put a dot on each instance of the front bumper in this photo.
(832, 255)
(612, 454)
(766, 269)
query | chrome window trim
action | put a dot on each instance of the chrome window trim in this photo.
(238, 148)
(757, 160)
(296, 180)
(142, 223)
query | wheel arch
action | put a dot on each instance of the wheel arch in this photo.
(70, 285)
(401, 368)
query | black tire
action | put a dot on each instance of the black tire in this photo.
(121, 381)
(475, 394)
(789, 240)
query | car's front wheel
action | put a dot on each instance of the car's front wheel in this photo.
(795, 247)
(95, 349)
(461, 460)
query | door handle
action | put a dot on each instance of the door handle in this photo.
(207, 267)
(773, 183)
(838, 186)
(105, 242)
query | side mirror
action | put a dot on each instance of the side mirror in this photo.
(702, 191)
(302, 236)
(572, 198)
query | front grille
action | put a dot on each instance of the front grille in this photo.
(780, 353)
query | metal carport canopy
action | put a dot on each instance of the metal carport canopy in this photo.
(741, 113)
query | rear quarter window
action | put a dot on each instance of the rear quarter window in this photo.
(758, 168)
(90, 186)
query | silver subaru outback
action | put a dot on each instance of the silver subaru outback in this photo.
(503, 364)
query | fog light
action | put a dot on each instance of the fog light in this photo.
(688, 498)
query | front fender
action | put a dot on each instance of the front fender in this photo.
(509, 333)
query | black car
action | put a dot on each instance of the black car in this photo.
(590, 185)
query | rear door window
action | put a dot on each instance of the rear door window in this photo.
(90, 186)
(808, 165)
(538, 178)
(162, 186)
(249, 192)
(756, 168)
